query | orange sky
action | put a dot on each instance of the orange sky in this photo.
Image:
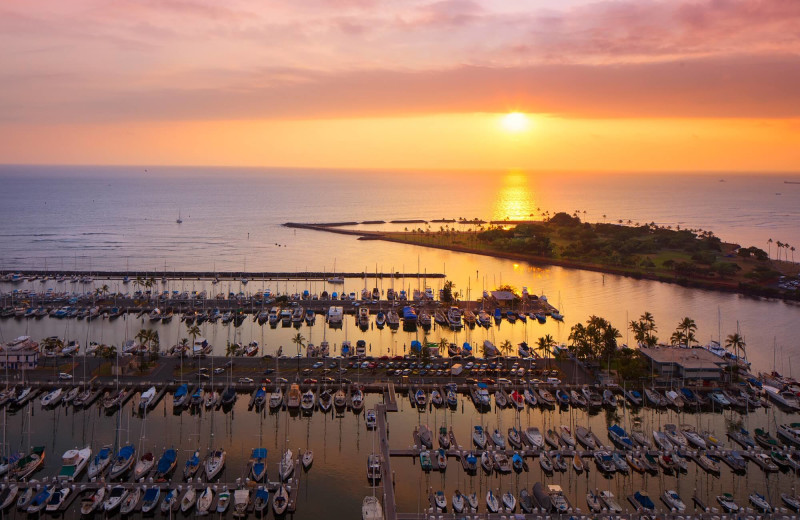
(607, 84)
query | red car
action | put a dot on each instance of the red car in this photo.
(309, 381)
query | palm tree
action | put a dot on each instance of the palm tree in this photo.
(687, 328)
(193, 331)
(506, 347)
(735, 342)
(769, 248)
(443, 344)
(299, 341)
(544, 344)
(792, 250)
(109, 352)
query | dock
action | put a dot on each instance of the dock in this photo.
(390, 397)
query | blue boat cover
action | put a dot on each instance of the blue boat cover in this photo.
(166, 460)
(259, 453)
(126, 452)
(151, 494)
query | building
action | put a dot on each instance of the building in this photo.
(685, 363)
(24, 359)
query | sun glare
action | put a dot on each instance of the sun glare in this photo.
(515, 122)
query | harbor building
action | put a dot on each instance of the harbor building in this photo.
(696, 364)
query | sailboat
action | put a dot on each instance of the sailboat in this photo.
(180, 220)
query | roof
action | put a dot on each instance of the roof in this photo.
(503, 295)
(688, 358)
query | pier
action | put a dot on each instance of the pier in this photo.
(251, 276)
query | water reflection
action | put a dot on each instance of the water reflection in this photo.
(514, 199)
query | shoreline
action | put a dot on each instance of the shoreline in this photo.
(729, 287)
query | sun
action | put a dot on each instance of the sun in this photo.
(515, 122)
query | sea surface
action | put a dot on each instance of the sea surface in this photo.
(124, 218)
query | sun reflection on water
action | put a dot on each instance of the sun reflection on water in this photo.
(514, 200)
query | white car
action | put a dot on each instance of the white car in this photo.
(246, 380)
(63, 376)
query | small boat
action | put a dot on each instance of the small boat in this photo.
(765, 439)
(759, 501)
(325, 400)
(491, 502)
(436, 399)
(281, 500)
(188, 499)
(444, 438)
(307, 459)
(371, 419)
(604, 461)
(633, 397)
(497, 439)
(609, 398)
(276, 398)
(52, 397)
(517, 462)
(558, 500)
(585, 437)
(100, 462)
(143, 466)
(440, 500)
(425, 460)
(191, 466)
(562, 397)
(166, 465)
(131, 501)
(479, 437)
(662, 441)
(577, 463)
(8, 495)
(123, 462)
(57, 499)
(25, 498)
(517, 400)
(308, 400)
(92, 502)
(147, 398)
(790, 432)
(458, 502)
(286, 465)
(552, 438)
(258, 464)
(642, 502)
(593, 501)
(204, 501)
(261, 500)
(472, 501)
(223, 500)
(357, 399)
(673, 501)
(530, 397)
(509, 502)
(619, 437)
(791, 501)
(370, 508)
(566, 436)
(534, 437)
(620, 463)
(181, 396)
(214, 464)
(171, 501)
(514, 438)
(425, 436)
(728, 503)
(525, 501)
(486, 462)
(115, 498)
(150, 499)
(39, 500)
(545, 462)
(546, 398)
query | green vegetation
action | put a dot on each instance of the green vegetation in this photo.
(690, 256)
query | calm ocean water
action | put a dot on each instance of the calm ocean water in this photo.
(98, 218)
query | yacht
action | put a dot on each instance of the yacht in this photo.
(166, 465)
(100, 462)
(73, 462)
(293, 396)
(143, 466)
(123, 461)
(281, 501)
(286, 465)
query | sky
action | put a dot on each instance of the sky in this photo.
(604, 85)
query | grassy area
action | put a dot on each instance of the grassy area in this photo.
(692, 257)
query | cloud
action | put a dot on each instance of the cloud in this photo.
(743, 86)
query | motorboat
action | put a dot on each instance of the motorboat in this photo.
(619, 437)
(458, 502)
(759, 501)
(30, 463)
(73, 462)
(276, 398)
(514, 438)
(673, 501)
(373, 467)
(57, 499)
(181, 396)
(308, 400)
(425, 436)
(545, 462)
(440, 500)
(223, 501)
(147, 398)
(566, 436)
(39, 500)
(509, 502)
(642, 501)
(171, 501)
(534, 437)
(260, 501)
(585, 437)
(728, 503)
(241, 499)
(370, 508)
(497, 439)
(52, 397)
(93, 501)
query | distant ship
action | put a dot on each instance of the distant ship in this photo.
(791, 182)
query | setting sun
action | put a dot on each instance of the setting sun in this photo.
(515, 122)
